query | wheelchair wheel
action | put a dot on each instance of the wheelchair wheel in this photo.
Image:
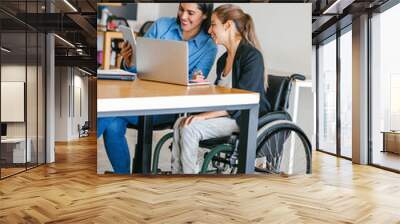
(219, 160)
(157, 151)
(282, 147)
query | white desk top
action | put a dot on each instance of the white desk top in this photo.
(140, 95)
(13, 140)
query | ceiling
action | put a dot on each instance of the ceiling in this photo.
(79, 27)
(331, 15)
(76, 24)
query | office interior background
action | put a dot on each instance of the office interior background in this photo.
(48, 84)
(28, 54)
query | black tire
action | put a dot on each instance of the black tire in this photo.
(271, 139)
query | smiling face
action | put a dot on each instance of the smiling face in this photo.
(190, 16)
(217, 30)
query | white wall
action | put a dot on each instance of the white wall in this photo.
(80, 102)
(153, 11)
(145, 12)
(33, 127)
(71, 94)
(61, 103)
(168, 9)
(16, 73)
(284, 32)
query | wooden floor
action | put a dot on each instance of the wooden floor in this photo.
(70, 191)
(10, 171)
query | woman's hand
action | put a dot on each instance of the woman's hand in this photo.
(126, 53)
(188, 120)
(198, 75)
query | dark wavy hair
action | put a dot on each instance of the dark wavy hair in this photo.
(206, 9)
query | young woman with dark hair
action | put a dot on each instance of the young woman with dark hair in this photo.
(191, 25)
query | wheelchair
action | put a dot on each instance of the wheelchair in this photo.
(278, 139)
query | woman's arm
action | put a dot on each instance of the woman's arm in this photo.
(213, 114)
(128, 51)
(203, 116)
(207, 59)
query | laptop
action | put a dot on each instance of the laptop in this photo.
(164, 61)
(116, 74)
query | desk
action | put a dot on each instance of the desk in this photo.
(391, 141)
(145, 98)
(19, 155)
(107, 37)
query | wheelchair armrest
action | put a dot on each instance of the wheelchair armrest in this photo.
(297, 77)
(273, 116)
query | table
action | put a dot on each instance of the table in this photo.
(391, 141)
(19, 155)
(146, 98)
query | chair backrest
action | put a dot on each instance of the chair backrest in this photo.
(144, 28)
(279, 88)
(277, 91)
(86, 125)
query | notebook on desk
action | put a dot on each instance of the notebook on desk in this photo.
(116, 74)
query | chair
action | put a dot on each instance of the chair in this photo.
(83, 130)
(275, 131)
(145, 27)
(157, 127)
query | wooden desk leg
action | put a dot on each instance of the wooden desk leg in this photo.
(248, 140)
(142, 159)
(106, 51)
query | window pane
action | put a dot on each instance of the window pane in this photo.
(346, 94)
(31, 99)
(14, 147)
(41, 99)
(327, 97)
(385, 85)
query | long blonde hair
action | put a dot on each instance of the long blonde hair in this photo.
(244, 25)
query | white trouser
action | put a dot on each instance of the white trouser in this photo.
(186, 141)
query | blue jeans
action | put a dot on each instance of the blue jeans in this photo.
(113, 130)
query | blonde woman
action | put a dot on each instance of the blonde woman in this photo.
(242, 67)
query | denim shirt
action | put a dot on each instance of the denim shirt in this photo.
(202, 50)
